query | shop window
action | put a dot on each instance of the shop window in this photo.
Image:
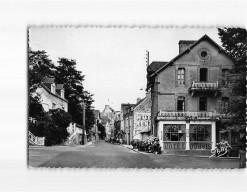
(181, 103)
(203, 104)
(203, 74)
(174, 132)
(181, 73)
(225, 104)
(224, 76)
(200, 133)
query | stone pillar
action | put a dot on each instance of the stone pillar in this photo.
(160, 134)
(187, 126)
(213, 134)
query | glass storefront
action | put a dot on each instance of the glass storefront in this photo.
(200, 133)
(199, 137)
(174, 132)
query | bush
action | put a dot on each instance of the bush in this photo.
(53, 126)
(135, 143)
(150, 145)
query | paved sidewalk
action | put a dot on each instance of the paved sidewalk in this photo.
(183, 161)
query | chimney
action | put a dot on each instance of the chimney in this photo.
(138, 99)
(184, 44)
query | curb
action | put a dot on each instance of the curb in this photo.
(222, 158)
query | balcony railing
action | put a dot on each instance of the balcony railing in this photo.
(204, 85)
(187, 115)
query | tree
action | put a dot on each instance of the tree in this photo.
(53, 126)
(117, 128)
(74, 92)
(56, 131)
(39, 67)
(234, 41)
(101, 129)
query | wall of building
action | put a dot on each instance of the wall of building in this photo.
(169, 90)
(47, 99)
(166, 89)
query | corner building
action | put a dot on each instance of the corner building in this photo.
(189, 95)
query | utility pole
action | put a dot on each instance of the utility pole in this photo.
(147, 58)
(83, 120)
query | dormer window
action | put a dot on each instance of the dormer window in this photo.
(53, 88)
(62, 94)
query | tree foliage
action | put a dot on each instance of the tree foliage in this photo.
(101, 130)
(234, 41)
(53, 126)
(39, 67)
(53, 123)
(74, 92)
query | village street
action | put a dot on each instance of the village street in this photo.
(106, 155)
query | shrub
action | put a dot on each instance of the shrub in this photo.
(150, 145)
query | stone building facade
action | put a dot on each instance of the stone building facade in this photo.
(142, 118)
(188, 96)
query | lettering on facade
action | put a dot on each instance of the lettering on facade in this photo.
(174, 145)
(200, 146)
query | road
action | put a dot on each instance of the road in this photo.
(106, 155)
(101, 155)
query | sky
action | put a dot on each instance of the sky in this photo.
(113, 60)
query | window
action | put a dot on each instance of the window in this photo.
(204, 54)
(181, 72)
(203, 104)
(203, 74)
(224, 104)
(174, 132)
(234, 137)
(224, 76)
(181, 103)
(200, 133)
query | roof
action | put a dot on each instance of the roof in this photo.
(205, 37)
(59, 86)
(96, 113)
(56, 94)
(155, 65)
(186, 42)
(49, 80)
(139, 102)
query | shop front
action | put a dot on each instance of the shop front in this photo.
(185, 137)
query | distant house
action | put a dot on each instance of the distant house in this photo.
(94, 129)
(105, 121)
(127, 121)
(52, 95)
(110, 114)
(189, 95)
(142, 118)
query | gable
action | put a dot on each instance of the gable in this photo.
(203, 40)
(144, 106)
(204, 53)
